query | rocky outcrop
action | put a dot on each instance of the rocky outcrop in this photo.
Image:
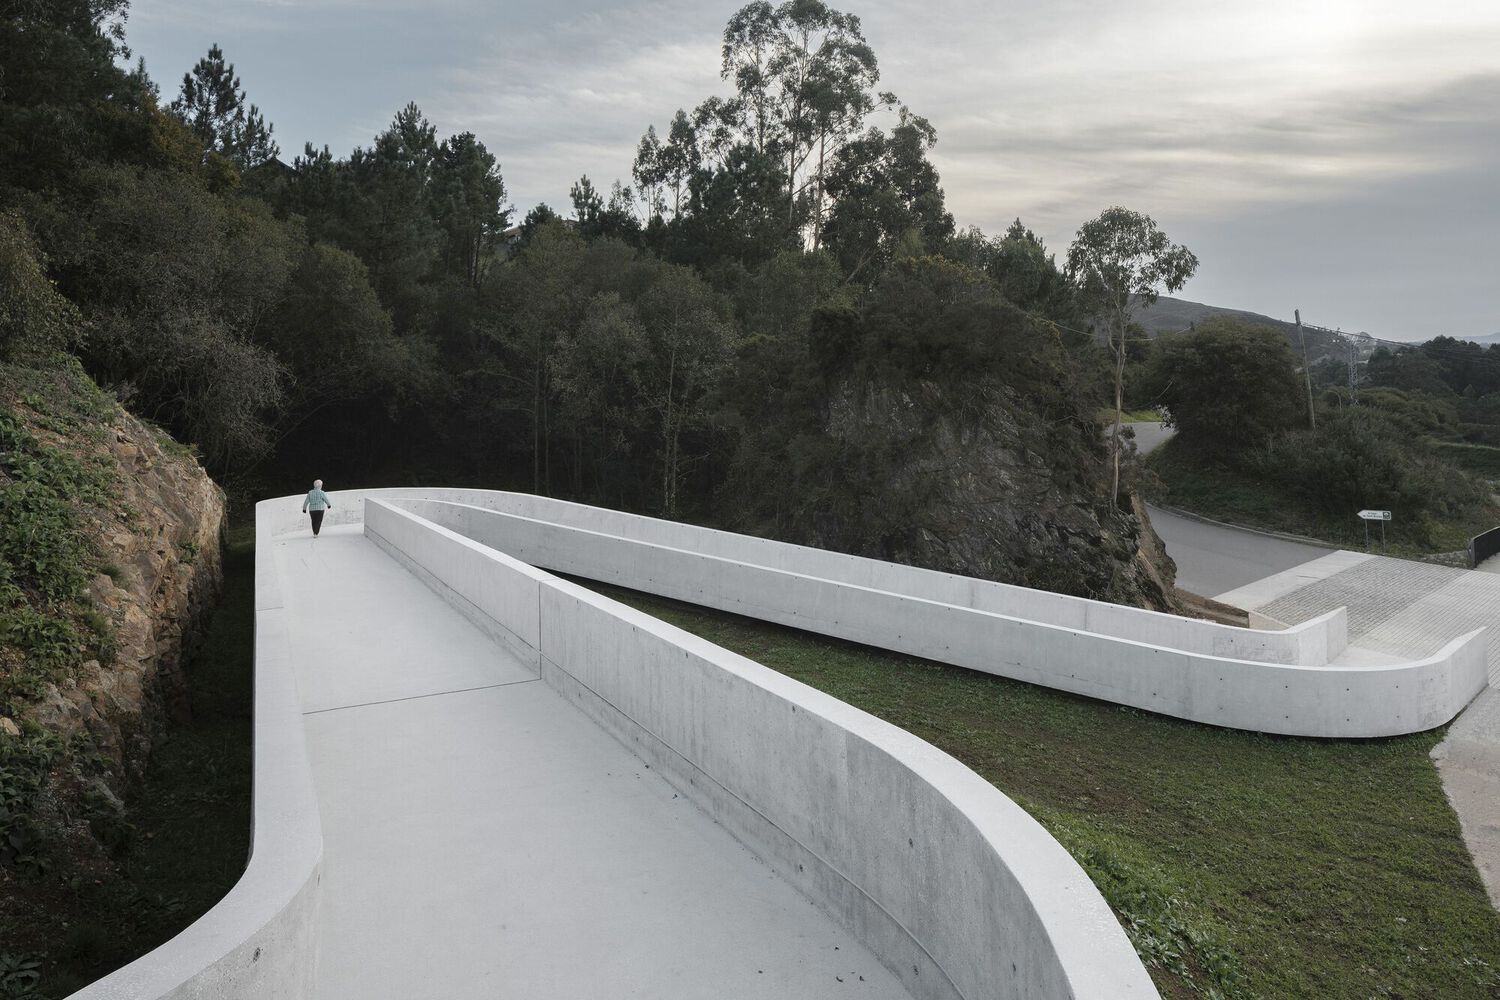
(158, 547)
(988, 489)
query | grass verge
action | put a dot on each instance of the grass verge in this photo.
(1241, 865)
(188, 831)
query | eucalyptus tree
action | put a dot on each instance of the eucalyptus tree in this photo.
(1122, 261)
(886, 191)
(689, 349)
(804, 81)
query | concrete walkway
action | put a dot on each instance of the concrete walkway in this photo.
(1409, 609)
(484, 839)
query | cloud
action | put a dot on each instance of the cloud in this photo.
(1211, 115)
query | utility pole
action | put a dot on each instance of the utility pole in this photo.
(1312, 420)
(1353, 366)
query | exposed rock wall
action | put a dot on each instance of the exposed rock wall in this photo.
(987, 489)
(165, 571)
(158, 543)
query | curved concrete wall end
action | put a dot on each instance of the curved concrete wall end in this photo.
(1293, 699)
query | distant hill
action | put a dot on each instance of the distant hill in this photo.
(1169, 315)
(1493, 338)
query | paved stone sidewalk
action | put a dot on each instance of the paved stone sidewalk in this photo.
(1401, 607)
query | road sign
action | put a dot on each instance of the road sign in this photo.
(1375, 515)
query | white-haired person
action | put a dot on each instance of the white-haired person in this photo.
(315, 503)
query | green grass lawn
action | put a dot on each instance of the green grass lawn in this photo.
(189, 838)
(1241, 865)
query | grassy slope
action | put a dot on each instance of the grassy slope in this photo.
(1242, 865)
(191, 824)
(1239, 498)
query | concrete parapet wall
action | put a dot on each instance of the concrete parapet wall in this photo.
(1312, 643)
(1288, 699)
(951, 884)
(258, 941)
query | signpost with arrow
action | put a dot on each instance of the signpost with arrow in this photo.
(1375, 515)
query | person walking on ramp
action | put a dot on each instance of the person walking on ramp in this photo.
(315, 503)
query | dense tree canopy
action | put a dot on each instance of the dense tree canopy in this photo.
(1227, 386)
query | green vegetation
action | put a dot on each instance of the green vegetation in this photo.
(1141, 416)
(1271, 499)
(1241, 865)
(642, 354)
(1245, 452)
(185, 838)
(45, 559)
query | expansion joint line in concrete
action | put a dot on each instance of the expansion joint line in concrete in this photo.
(418, 697)
(768, 821)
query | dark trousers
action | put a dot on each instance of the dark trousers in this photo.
(317, 519)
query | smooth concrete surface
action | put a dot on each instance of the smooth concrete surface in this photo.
(1311, 643)
(1256, 595)
(260, 940)
(1346, 700)
(1469, 761)
(930, 865)
(486, 839)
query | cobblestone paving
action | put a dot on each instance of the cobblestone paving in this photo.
(1401, 607)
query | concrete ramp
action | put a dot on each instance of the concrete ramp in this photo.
(484, 838)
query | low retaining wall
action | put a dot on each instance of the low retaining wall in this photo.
(953, 886)
(1484, 546)
(1312, 643)
(258, 941)
(1294, 700)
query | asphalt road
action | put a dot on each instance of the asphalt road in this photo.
(1212, 559)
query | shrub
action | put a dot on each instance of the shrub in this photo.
(34, 318)
(1228, 386)
(1361, 458)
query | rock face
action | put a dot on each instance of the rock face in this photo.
(160, 547)
(988, 489)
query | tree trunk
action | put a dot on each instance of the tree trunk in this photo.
(668, 470)
(536, 426)
(818, 214)
(1119, 404)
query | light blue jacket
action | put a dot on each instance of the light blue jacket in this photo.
(316, 500)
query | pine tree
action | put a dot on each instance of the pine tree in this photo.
(212, 104)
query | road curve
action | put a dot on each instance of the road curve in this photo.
(1213, 559)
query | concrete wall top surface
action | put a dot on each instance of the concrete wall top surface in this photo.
(1314, 642)
(1291, 699)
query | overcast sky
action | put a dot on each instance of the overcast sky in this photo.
(1337, 156)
